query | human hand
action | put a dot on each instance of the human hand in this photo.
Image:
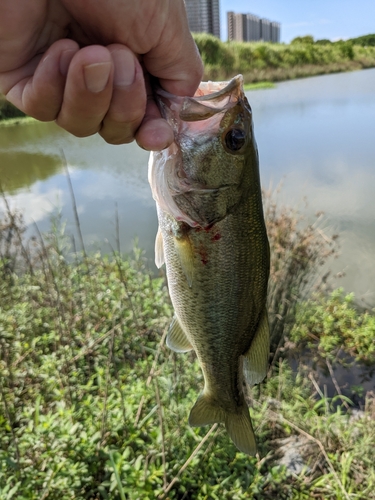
(80, 62)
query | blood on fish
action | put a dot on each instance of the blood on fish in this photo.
(203, 255)
(216, 237)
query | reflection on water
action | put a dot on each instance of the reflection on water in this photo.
(314, 134)
(20, 169)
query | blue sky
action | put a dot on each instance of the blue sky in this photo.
(331, 19)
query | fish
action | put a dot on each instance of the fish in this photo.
(212, 238)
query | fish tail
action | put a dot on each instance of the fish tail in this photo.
(240, 430)
(206, 411)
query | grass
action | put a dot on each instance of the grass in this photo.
(259, 86)
(94, 406)
(20, 120)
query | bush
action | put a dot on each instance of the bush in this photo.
(332, 325)
(298, 251)
(259, 61)
(214, 52)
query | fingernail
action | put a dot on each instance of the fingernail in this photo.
(65, 60)
(124, 68)
(96, 76)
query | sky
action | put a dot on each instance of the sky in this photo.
(332, 19)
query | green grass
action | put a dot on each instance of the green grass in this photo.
(93, 405)
(19, 120)
(259, 86)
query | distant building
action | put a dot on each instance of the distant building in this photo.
(203, 16)
(250, 28)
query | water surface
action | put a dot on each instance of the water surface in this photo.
(316, 136)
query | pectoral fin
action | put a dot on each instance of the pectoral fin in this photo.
(185, 252)
(256, 359)
(177, 339)
(159, 249)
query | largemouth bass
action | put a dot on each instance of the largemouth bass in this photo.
(213, 240)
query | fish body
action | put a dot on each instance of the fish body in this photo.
(213, 240)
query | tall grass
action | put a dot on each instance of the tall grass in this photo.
(94, 406)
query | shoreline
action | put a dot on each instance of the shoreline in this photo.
(257, 79)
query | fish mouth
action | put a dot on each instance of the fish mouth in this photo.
(210, 99)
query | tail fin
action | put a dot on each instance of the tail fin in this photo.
(241, 431)
(206, 411)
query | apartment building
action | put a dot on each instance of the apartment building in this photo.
(203, 16)
(251, 28)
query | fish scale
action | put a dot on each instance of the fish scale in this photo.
(212, 238)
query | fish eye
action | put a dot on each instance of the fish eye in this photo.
(235, 139)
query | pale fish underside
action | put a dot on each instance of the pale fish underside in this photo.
(213, 240)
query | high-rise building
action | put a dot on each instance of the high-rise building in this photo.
(203, 16)
(250, 28)
(275, 32)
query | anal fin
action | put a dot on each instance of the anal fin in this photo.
(256, 358)
(177, 339)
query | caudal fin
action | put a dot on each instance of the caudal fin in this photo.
(241, 431)
(206, 411)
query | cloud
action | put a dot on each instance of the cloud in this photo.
(34, 205)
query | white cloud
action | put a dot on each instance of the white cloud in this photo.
(34, 205)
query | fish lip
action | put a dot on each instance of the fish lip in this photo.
(235, 83)
(205, 103)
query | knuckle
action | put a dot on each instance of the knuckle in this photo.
(115, 138)
(77, 131)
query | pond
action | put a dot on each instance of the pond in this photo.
(315, 136)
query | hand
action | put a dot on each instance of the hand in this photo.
(84, 63)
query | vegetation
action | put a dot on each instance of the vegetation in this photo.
(259, 85)
(260, 61)
(333, 332)
(94, 406)
(8, 111)
(365, 41)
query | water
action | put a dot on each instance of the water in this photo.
(315, 135)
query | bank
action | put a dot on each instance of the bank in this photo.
(263, 63)
(260, 61)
